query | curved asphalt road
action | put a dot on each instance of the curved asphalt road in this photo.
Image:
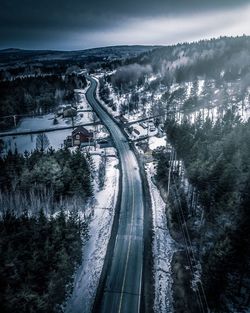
(122, 292)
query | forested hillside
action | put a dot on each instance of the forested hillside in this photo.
(38, 258)
(42, 230)
(216, 159)
(197, 96)
(211, 75)
(36, 95)
(202, 92)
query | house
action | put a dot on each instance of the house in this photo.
(81, 135)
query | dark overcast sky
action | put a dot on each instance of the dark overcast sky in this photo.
(75, 24)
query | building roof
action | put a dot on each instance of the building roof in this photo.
(69, 107)
(82, 130)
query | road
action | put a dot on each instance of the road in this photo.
(123, 284)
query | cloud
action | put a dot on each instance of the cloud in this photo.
(63, 24)
(181, 28)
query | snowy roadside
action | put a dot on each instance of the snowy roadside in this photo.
(103, 210)
(163, 244)
(163, 248)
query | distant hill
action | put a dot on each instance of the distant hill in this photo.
(12, 56)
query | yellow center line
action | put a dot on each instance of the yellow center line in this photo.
(128, 251)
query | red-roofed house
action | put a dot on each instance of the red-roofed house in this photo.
(79, 135)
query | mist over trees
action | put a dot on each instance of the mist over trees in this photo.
(220, 59)
(128, 76)
(203, 90)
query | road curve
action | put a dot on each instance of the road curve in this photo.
(123, 283)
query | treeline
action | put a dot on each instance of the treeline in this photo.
(104, 94)
(41, 229)
(216, 158)
(35, 69)
(204, 58)
(59, 173)
(224, 59)
(36, 95)
(186, 62)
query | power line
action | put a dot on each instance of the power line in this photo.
(186, 237)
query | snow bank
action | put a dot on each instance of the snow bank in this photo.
(88, 274)
(82, 101)
(163, 249)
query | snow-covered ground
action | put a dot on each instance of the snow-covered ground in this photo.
(109, 152)
(209, 97)
(88, 274)
(39, 122)
(140, 131)
(82, 101)
(163, 249)
(46, 121)
(56, 138)
(28, 142)
(155, 142)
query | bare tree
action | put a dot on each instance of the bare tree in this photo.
(102, 171)
(42, 142)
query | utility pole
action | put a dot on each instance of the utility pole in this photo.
(95, 142)
(169, 170)
(89, 144)
(14, 117)
(72, 120)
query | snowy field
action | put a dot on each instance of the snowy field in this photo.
(88, 274)
(163, 249)
(155, 142)
(56, 138)
(28, 142)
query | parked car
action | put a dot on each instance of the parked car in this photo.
(143, 125)
(136, 131)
